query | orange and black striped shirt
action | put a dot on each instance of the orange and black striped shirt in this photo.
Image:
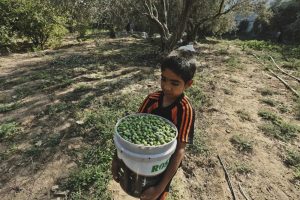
(180, 112)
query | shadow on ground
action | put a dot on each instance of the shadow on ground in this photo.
(41, 99)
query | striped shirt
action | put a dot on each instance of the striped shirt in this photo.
(180, 112)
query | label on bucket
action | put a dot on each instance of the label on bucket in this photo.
(159, 167)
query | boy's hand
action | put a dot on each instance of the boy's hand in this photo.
(151, 193)
(115, 169)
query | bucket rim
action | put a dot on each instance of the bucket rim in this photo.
(140, 156)
(146, 146)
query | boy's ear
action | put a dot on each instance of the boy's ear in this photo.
(188, 84)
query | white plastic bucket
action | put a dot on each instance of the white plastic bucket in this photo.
(145, 160)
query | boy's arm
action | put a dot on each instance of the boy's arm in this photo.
(154, 192)
(115, 167)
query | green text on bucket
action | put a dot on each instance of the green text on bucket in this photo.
(161, 166)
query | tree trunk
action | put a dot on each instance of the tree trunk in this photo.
(172, 41)
(168, 41)
(192, 34)
(201, 34)
(112, 32)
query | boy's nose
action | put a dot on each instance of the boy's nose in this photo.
(167, 88)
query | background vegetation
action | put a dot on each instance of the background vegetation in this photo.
(34, 24)
(96, 102)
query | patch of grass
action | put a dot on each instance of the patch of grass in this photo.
(283, 109)
(267, 115)
(292, 159)
(277, 128)
(260, 45)
(175, 189)
(222, 52)
(24, 92)
(53, 140)
(293, 65)
(34, 152)
(242, 168)
(243, 115)
(79, 92)
(297, 174)
(43, 75)
(298, 109)
(57, 108)
(233, 80)
(291, 51)
(196, 96)
(86, 101)
(265, 92)
(9, 129)
(198, 147)
(90, 180)
(129, 102)
(80, 70)
(233, 63)
(5, 155)
(227, 91)
(6, 107)
(16, 81)
(269, 102)
(82, 87)
(93, 174)
(242, 143)
(55, 78)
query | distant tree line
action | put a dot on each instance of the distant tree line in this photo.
(280, 22)
(44, 22)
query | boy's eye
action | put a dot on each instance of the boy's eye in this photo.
(175, 84)
(163, 79)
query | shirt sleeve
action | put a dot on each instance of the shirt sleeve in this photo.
(147, 105)
(144, 105)
(186, 125)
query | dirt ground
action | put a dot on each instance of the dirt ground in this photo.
(261, 174)
(268, 177)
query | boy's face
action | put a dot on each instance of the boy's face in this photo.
(173, 85)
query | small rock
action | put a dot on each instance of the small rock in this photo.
(17, 189)
(80, 122)
(212, 110)
(226, 58)
(54, 188)
(228, 131)
(74, 146)
(61, 193)
(39, 143)
(188, 47)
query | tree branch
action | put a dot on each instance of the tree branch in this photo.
(227, 178)
(243, 193)
(153, 16)
(165, 11)
(219, 13)
(285, 83)
(183, 21)
(155, 12)
(298, 79)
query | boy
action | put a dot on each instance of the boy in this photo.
(170, 103)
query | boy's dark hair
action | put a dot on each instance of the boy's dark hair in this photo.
(180, 66)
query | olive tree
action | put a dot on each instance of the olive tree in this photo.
(157, 11)
(217, 16)
(36, 21)
(286, 19)
(7, 18)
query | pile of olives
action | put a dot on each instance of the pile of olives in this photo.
(147, 130)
